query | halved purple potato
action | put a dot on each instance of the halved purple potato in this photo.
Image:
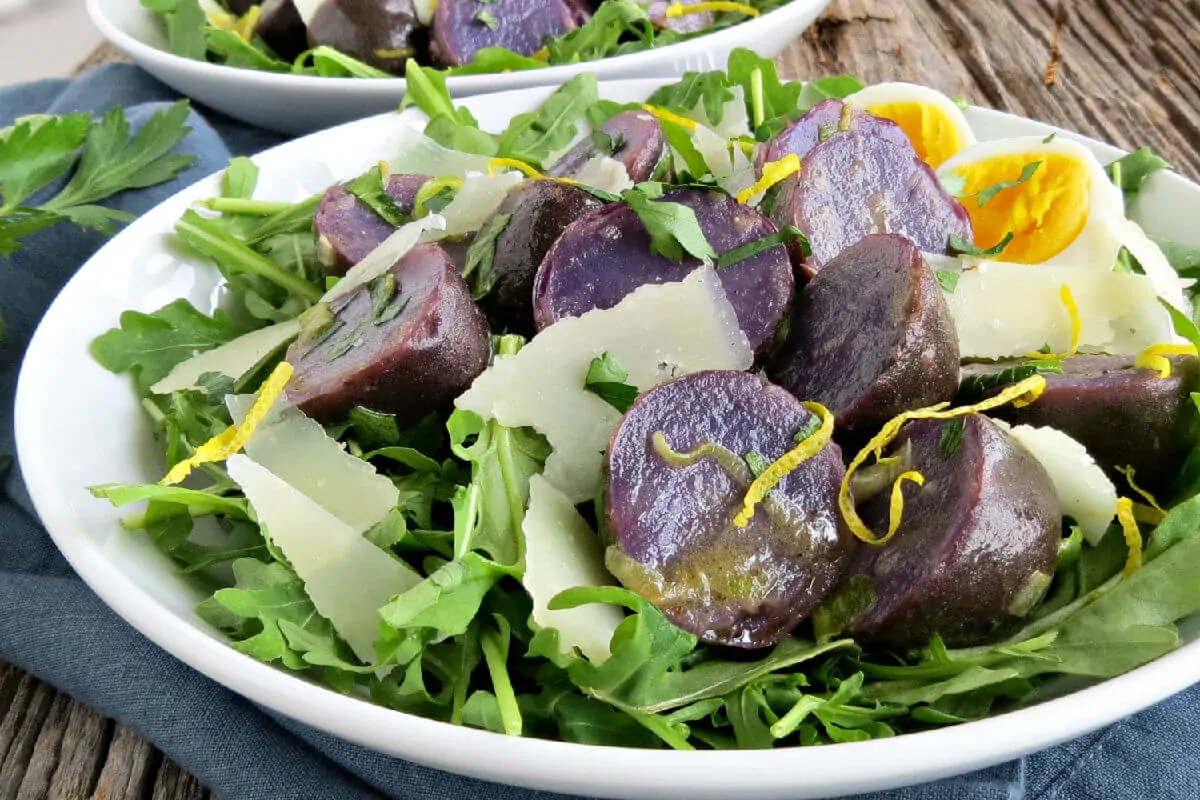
(461, 28)
(977, 544)
(239, 7)
(280, 26)
(637, 142)
(347, 229)
(870, 336)
(538, 211)
(856, 184)
(687, 23)
(670, 516)
(1124, 415)
(407, 352)
(821, 123)
(605, 255)
(381, 33)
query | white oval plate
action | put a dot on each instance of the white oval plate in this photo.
(78, 425)
(298, 104)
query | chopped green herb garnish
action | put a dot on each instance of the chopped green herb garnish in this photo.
(673, 227)
(961, 245)
(947, 279)
(985, 196)
(478, 269)
(812, 426)
(488, 19)
(756, 462)
(606, 379)
(753, 248)
(951, 438)
(370, 188)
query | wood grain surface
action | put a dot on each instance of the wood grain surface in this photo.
(1126, 71)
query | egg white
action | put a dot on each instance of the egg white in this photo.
(885, 93)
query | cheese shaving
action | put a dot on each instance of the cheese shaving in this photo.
(773, 172)
(1155, 357)
(430, 188)
(786, 463)
(1133, 536)
(1068, 301)
(679, 9)
(232, 439)
(1024, 392)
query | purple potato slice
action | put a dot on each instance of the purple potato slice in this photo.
(407, 352)
(688, 23)
(977, 544)
(381, 33)
(637, 142)
(856, 184)
(1126, 416)
(538, 211)
(824, 121)
(670, 515)
(461, 28)
(347, 229)
(605, 255)
(870, 336)
(280, 26)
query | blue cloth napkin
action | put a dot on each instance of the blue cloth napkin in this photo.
(52, 625)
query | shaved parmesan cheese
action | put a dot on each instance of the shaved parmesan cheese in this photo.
(1085, 492)
(474, 202)
(385, 256)
(606, 174)
(734, 119)
(1158, 270)
(307, 9)
(348, 578)
(420, 155)
(298, 451)
(232, 359)
(424, 10)
(562, 552)
(1003, 310)
(656, 333)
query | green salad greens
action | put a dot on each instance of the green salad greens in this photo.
(459, 644)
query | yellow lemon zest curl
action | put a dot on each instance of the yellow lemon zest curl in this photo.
(896, 507)
(242, 27)
(233, 438)
(1128, 472)
(1068, 300)
(429, 190)
(496, 165)
(773, 172)
(541, 55)
(1023, 393)
(785, 464)
(679, 9)
(1155, 357)
(667, 116)
(1133, 536)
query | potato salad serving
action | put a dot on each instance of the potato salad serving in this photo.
(377, 38)
(752, 414)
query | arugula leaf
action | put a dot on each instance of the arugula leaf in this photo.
(479, 269)
(750, 249)
(606, 379)
(1183, 258)
(709, 90)
(947, 279)
(766, 96)
(449, 599)
(976, 387)
(1130, 172)
(198, 503)
(239, 178)
(600, 35)
(234, 51)
(680, 140)
(1183, 325)
(961, 245)
(535, 135)
(831, 87)
(371, 189)
(497, 59)
(186, 22)
(673, 227)
(35, 151)
(331, 63)
(148, 346)
(449, 126)
(951, 437)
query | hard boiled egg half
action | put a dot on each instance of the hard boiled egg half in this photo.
(1065, 211)
(936, 127)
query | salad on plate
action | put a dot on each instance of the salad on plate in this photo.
(377, 38)
(754, 414)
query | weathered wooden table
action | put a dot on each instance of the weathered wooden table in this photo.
(1127, 71)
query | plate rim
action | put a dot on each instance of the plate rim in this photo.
(562, 766)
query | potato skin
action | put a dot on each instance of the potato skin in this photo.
(280, 26)
(347, 229)
(413, 364)
(382, 33)
(673, 537)
(539, 211)
(642, 147)
(975, 543)
(605, 255)
(822, 122)
(1124, 415)
(870, 336)
(519, 25)
(856, 184)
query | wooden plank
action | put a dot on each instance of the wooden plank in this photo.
(129, 768)
(172, 783)
(19, 731)
(81, 754)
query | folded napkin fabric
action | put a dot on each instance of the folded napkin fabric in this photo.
(52, 625)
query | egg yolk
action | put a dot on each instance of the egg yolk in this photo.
(1045, 213)
(933, 135)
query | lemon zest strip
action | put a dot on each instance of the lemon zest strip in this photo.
(785, 464)
(541, 55)
(1068, 300)
(679, 9)
(896, 508)
(223, 20)
(430, 188)
(667, 116)
(497, 164)
(247, 23)
(233, 438)
(1133, 536)
(1025, 392)
(1128, 472)
(1155, 357)
(773, 172)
